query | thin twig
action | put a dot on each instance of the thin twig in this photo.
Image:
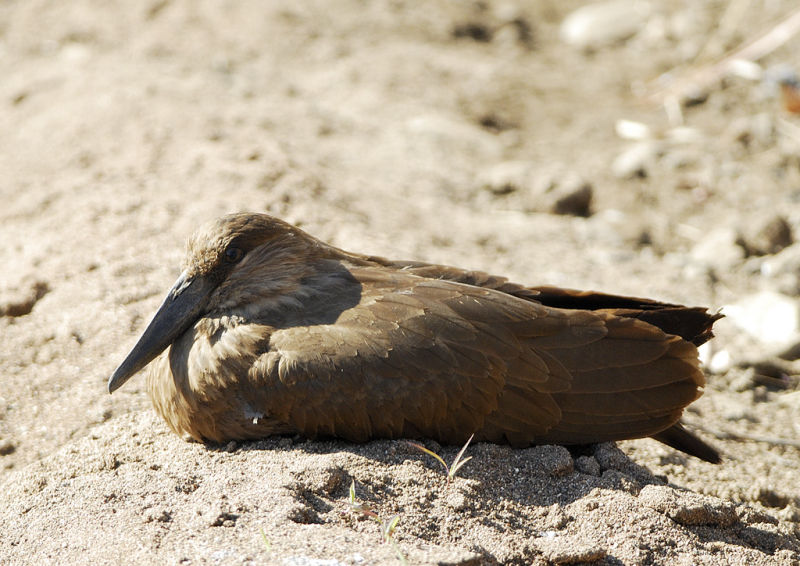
(744, 437)
(698, 78)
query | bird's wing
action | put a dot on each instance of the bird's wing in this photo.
(691, 323)
(441, 359)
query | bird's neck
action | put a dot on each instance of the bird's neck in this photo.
(317, 294)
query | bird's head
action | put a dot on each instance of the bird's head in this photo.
(234, 261)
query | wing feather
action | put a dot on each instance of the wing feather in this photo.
(431, 357)
(445, 359)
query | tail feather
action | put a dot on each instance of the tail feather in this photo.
(681, 439)
(572, 430)
(658, 373)
(693, 324)
(653, 401)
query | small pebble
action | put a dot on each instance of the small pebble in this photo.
(610, 457)
(556, 518)
(570, 550)
(743, 381)
(554, 460)
(720, 362)
(604, 23)
(456, 501)
(630, 130)
(766, 236)
(526, 187)
(687, 508)
(753, 132)
(506, 177)
(587, 465)
(7, 447)
(572, 198)
(636, 161)
(768, 316)
(20, 301)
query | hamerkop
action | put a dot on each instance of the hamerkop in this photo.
(272, 331)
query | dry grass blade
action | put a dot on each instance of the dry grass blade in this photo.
(266, 541)
(431, 453)
(388, 526)
(362, 508)
(457, 462)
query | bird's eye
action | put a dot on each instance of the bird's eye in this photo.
(233, 255)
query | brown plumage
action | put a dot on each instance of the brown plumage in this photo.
(271, 331)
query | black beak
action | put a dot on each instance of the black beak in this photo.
(181, 308)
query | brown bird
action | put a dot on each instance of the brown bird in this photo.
(272, 331)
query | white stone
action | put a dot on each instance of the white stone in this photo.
(684, 135)
(745, 69)
(506, 177)
(604, 23)
(630, 130)
(770, 317)
(636, 160)
(720, 362)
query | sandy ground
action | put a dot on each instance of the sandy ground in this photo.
(447, 133)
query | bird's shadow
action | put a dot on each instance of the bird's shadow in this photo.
(518, 481)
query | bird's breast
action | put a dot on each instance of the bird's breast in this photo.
(202, 385)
